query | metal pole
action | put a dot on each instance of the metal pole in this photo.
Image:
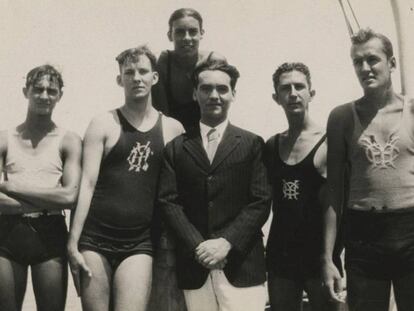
(404, 23)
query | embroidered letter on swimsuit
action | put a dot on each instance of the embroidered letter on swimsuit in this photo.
(138, 157)
(290, 189)
(379, 156)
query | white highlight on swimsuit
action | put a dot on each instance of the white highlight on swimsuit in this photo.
(290, 189)
(138, 157)
(381, 157)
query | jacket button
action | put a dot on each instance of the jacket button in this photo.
(210, 178)
(210, 204)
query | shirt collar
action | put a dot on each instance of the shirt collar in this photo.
(204, 129)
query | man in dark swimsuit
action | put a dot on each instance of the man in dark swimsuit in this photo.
(110, 245)
(297, 165)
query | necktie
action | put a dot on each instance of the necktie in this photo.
(212, 143)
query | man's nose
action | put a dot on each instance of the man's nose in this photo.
(365, 66)
(44, 94)
(187, 35)
(214, 93)
(293, 90)
(137, 76)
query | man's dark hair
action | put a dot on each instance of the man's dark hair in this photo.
(366, 34)
(287, 67)
(37, 73)
(212, 65)
(180, 13)
(133, 54)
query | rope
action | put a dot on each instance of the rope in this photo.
(347, 20)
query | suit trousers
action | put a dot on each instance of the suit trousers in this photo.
(217, 294)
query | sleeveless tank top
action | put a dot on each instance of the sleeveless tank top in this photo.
(382, 173)
(43, 167)
(187, 112)
(297, 218)
(122, 204)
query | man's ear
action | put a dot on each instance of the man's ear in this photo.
(312, 93)
(119, 80)
(194, 94)
(274, 96)
(393, 63)
(25, 90)
(169, 35)
(155, 77)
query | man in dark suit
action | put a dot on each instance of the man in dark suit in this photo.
(215, 197)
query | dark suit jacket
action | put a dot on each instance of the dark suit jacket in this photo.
(229, 198)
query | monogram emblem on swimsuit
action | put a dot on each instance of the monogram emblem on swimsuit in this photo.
(138, 157)
(290, 189)
(381, 156)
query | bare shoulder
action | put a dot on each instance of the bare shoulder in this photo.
(103, 124)
(340, 118)
(171, 128)
(342, 111)
(71, 141)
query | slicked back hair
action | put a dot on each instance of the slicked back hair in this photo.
(366, 34)
(133, 55)
(180, 13)
(37, 73)
(287, 67)
(212, 65)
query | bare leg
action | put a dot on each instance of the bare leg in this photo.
(13, 281)
(132, 283)
(50, 283)
(96, 291)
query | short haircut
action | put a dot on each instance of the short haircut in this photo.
(34, 75)
(212, 65)
(180, 13)
(366, 34)
(287, 67)
(133, 55)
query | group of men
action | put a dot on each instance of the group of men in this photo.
(214, 186)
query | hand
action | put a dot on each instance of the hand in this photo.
(332, 281)
(78, 267)
(212, 252)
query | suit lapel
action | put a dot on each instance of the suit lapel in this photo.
(194, 146)
(229, 142)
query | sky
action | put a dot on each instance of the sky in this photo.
(82, 38)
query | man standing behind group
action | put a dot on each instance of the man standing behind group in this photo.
(215, 197)
(297, 166)
(110, 245)
(374, 135)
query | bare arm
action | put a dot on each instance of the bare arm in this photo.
(10, 205)
(336, 164)
(93, 149)
(53, 198)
